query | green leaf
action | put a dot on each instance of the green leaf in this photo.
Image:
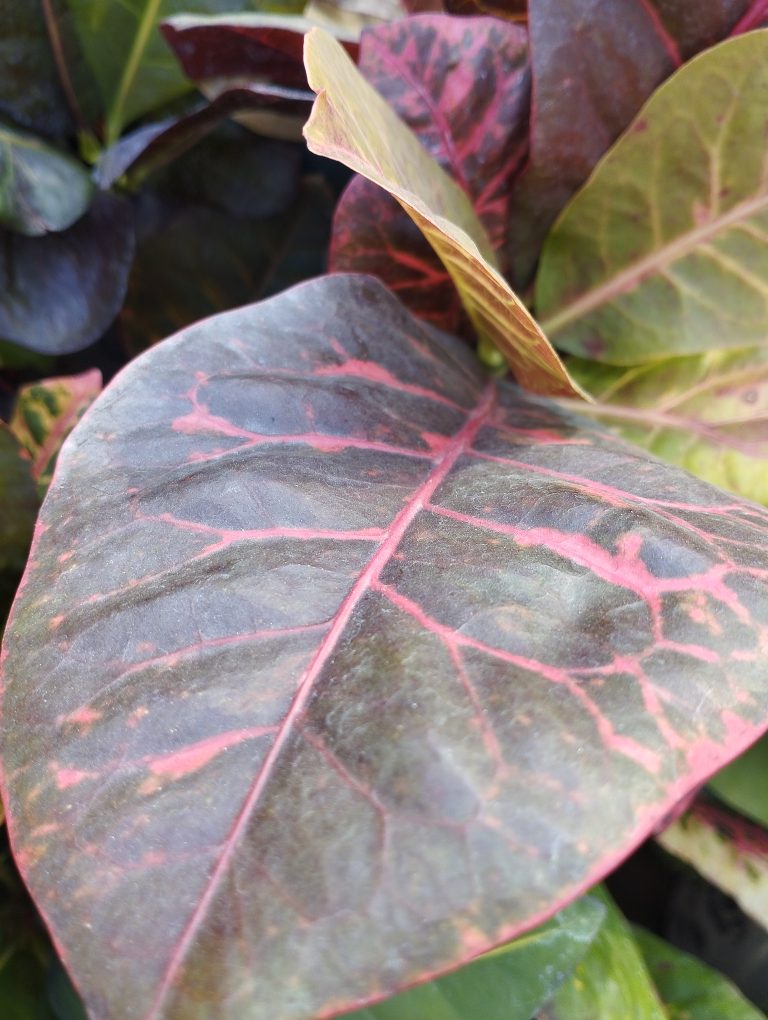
(350, 122)
(665, 249)
(689, 988)
(45, 414)
(134, 69)
(612, 981)
(41, 188)
(18, 502)
(742, 784)
(706, 412)
(508, 984)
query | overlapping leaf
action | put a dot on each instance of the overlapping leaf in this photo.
(509, 984)
(742, 783)
(46, 412)
(134, 69)
(60, 292)
(463, 88)
(707, 412)
(594, 65)
(665, 250)
(18, 502)
(352, 123)
(41, 188)
(331, 664)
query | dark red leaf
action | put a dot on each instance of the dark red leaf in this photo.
(264, 48)
(336, 664)
(594, 65)
(514, 10)
(463, 87)
(62, 291)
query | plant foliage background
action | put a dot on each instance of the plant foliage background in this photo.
(339, 659)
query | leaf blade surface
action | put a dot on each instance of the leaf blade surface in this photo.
(255, 609)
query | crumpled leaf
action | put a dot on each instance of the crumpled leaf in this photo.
(61, 292)
(664, 250)
(46, 412)
(41, 188)
(729, 851)
(508, 984)
(706, 412)
(612, 981)
(689, 989)
(350, 122)
(133, 67)
(463, 89)
(332, 650)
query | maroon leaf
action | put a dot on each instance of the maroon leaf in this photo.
(463, 87)
(250, 47)
(594, 65)
(331, 653)
(514, 10)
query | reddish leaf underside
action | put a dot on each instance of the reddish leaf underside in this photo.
(336, 664)
(462, 86)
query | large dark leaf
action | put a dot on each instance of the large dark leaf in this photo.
(60, 292)
(594, 65)
(333, 651)
(463, 88)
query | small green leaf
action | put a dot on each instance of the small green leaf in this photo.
(742, 784)
(689, 989)
(508, 984)
(41, 188)
(612, 981)
(350, 122)
(665, 249)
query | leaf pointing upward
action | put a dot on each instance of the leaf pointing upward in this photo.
(352, 123)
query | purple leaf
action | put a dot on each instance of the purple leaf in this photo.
(463, 87)
(337, 663)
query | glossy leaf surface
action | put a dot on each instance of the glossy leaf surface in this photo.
(46, 412)
(727, 850)
(706, 412)
(289, 671)
(665, 250)
(689, 989)
(508, 984)
(463, 89)
(135, 71)
(41, 188)
(611, 981)
(352, 123)
(60, 292)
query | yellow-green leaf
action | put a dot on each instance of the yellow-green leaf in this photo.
(707, 412)
(45, 414)
(350, 122)
(665, 249)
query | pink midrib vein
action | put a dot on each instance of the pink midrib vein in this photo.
(461, 442)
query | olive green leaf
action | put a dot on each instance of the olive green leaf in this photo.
(689, 988)
(707, 412)
(742, 784)
(665, 249)
(41, 188)
(350, 122)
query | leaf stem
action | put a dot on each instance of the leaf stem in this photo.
(115, 114)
